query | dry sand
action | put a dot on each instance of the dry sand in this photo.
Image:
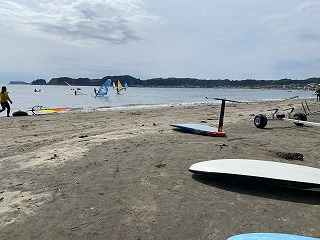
(123, 174)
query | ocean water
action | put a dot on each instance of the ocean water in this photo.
(24, 97)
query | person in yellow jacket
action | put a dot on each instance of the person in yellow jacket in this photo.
(4, 98)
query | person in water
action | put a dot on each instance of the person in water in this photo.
(95, 91)
(5, 99)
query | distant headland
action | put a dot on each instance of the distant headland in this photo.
(309, 83)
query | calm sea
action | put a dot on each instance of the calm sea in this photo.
(24, 97)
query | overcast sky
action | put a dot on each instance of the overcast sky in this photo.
(205, 39)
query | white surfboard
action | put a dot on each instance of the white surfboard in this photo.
(275, 172)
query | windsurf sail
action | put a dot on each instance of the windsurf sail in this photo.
(113, 86)
(72, 87)
(43, 110)
(77, 91)
(103, 90)
(125, 86)
(120, 87)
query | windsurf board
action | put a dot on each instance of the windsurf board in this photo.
(199, 129)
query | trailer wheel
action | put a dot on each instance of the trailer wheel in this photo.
(260, 121)
(300, 116)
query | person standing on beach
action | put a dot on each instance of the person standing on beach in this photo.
(318, 92)
(5, 99)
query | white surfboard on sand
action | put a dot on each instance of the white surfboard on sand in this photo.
(273, 172)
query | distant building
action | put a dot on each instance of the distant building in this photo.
(18, 82)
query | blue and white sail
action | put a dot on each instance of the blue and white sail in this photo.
(103, 90)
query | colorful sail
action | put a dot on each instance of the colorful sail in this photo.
(103, 90)
(120, 88)
(119, 85)
(43, 110)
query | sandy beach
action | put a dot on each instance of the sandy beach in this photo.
(124, 174)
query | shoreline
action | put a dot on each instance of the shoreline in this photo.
(156, 106)
(124, 174)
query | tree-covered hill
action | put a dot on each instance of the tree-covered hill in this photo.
(184, 82)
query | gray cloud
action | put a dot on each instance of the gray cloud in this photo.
(79, 22)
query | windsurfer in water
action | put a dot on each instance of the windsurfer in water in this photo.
(95, 91)
(5, 99)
